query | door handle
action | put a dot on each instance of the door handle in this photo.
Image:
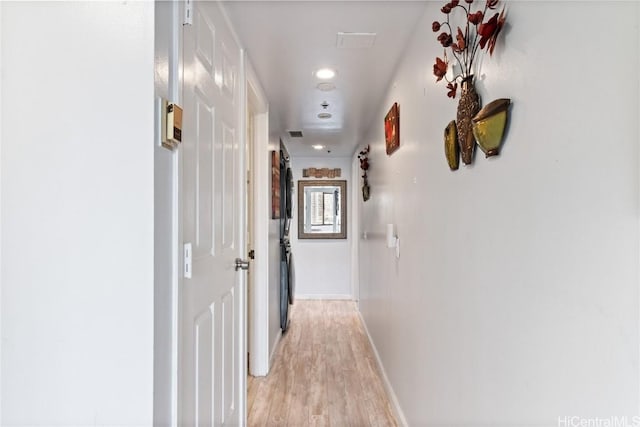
(241, 264)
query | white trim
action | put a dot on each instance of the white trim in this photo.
(638, 136)
(1, 388)
(259, 305)
(256, 88)
(324, 297)
(242, 234)
(175, 291)
(175, 92)
(395, 404)
(275, 347)
(178, 91)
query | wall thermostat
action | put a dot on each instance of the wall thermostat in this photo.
(174, 123)
(170, 124)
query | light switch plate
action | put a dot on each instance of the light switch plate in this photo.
(188, 261)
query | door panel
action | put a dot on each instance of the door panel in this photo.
(205, 41)
(204, 233)
(210, 384)
(229, 72)
(204, 344)
(229, 205)
(228, 355)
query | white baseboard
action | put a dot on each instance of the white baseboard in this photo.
(387, 385)
(324, 296)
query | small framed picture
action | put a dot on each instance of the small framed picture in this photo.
(392, 129)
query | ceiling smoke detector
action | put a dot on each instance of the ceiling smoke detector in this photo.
(324, 115)
(295, 133)
(326, 86)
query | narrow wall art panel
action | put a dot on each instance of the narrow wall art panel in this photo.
(275, 185)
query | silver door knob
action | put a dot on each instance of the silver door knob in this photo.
(241, 264)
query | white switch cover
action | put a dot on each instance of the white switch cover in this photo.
(187, 260)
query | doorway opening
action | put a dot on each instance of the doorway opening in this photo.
(258, 207)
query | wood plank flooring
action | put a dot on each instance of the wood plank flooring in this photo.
(324, 373)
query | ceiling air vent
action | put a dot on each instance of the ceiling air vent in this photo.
(295, 133)
(355, 40)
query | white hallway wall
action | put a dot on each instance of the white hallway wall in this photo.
(515, 300)
(322, 267)
(77, 213)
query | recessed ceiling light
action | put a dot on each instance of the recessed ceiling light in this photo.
(325, 73)
(324, 115)
(326, 86)
(318, 147)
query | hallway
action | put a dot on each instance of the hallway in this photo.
(324, 373)
(504, 292)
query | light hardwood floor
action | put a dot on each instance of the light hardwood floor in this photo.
(324, 373)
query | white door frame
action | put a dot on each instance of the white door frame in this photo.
(174, 92)
(176, 80)
(242, 233)
(258, 344)
(1, 205)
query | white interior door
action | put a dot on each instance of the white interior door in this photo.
(211, 385)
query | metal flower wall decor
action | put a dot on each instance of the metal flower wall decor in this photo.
(478, 34)
(363, 156)
(480, 27)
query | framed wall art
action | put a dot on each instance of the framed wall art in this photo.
(275, 185)
(392, 129)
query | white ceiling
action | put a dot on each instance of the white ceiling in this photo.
(287, 41)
